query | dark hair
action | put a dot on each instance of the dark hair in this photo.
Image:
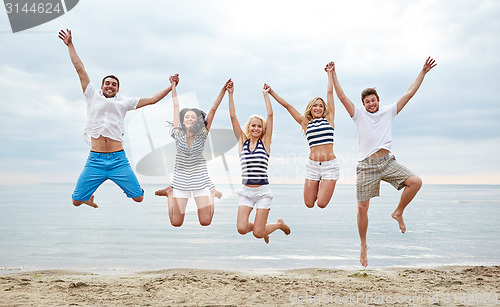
(112, 77)
(367, 92)
(201, 121)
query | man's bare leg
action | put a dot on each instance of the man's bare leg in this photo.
(413, 185)
(215, 193)
(164, 192)
(362, 218)
(89, 202)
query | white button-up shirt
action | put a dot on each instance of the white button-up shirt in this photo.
(105, 116)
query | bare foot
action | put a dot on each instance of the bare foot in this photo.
(401, 222)
(266, 239)
(164, 192)
(284, 227)
(216, 193)
(363, 255)
(91, 202)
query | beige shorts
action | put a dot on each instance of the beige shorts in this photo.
(371, 171)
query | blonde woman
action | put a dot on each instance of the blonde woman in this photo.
(317, 122)
(254, 146)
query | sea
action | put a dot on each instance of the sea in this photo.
(40, 229)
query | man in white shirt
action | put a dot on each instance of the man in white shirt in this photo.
(375, 163)
(104, 131)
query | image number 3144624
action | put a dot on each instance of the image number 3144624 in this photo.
(26, 14)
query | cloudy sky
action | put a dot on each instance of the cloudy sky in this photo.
(448, 133)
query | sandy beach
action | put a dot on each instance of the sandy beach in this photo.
(442, 286)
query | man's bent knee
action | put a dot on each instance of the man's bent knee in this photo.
(414, 182)
(138, 199)
(77, 203)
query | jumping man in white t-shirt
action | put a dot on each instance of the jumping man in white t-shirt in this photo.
(376, 163)
(104, 131)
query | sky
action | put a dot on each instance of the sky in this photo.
(449, 133)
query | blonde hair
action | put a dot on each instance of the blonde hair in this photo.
(307, 113)
(247, 125)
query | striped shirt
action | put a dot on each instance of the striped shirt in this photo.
(254, 164)
(190, 171)
(319, 132)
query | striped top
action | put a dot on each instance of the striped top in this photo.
(254, 164)
(190, 171)
(319, 132)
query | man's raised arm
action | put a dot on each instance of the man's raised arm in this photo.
(429, 64)
(80, 69)
(348, 105)
(146, 101)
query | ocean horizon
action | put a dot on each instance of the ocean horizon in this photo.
(446, 225)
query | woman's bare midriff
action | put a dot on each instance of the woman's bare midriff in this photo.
(322, 153)
(104, 144)
(380, 153)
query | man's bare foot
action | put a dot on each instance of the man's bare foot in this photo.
(164, 192)
(266, 239)
(401, 222)
(284, 227)
(91, 202)
(363, 255)
(216, 193)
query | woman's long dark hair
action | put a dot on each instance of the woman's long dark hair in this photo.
(200, 123)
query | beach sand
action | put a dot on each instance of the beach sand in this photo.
(442, 286)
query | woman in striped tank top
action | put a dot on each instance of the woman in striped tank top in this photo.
(254, 146)
(317, 122)
(190, 172)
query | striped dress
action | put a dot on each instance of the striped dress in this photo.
(254, 164)
(319, 132)
(190, 171)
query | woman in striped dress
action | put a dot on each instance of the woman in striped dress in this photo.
(317, 122)
(254, 144)
(191, 127)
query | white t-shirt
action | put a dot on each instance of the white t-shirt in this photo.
(105, 116)
(374, 129)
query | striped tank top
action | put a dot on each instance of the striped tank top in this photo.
(190, 171)
(254, 164)
(319, 132)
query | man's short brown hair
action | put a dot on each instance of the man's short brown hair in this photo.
(112, 77)
(367, 92)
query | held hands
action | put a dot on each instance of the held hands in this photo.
(429, 64)
(174, 79)
(229, 86)
(66, 37)
(330, 67)
(266, 89)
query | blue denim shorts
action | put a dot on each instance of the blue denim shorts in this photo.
(103, 166)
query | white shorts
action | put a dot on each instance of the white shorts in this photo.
(316, 170)
(187, 194)
(258, 197)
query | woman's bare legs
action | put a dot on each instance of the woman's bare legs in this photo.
(319, 192)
